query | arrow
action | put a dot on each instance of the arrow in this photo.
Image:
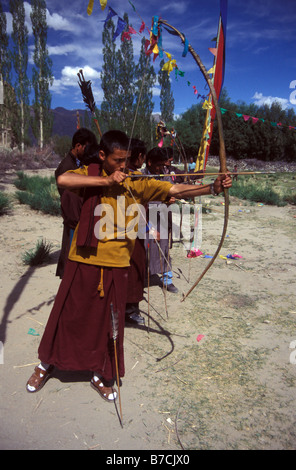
(202, 174)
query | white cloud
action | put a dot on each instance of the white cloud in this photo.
(175, 7)
(54, 21)
(89, 72)
(156, 91)
(62, 49)
(28, 23)
(261, 100)
(57, 22)
(8, 22)
(69, 79)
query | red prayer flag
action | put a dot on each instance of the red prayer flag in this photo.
(220, 67)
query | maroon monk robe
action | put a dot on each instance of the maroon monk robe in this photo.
(78, 335)
(136, 273)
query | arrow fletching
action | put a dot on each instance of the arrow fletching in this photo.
(114, 320)
(86, 90)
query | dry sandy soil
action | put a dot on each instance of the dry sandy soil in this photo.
(214, 372)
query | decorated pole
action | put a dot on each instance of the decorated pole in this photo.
(222, 152)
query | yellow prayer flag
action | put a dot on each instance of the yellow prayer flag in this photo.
(155, 49)
(207, 105)
(103, 4)
(212, 70)
(169, 56)
(90, 7)
(169, 66)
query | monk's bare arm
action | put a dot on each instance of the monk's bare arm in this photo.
(190, 190)
(70, 180)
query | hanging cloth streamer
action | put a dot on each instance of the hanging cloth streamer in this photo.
(156, 31)
(159, 43)
(185, 48)
(90, 7)
(103, 4)
(121, 24)
(155, 25)
(110, 15)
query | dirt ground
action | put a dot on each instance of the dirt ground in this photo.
(214, 372)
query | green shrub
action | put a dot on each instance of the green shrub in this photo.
(5, 203)
(61, 144)
(32, 183)
(38, 255)
(38, 192)
(41, 200)
(256, 190)
(290, 198)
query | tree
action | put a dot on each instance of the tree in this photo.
(20, 63)
(109, 79)
(126, 81)
(42, 75)
(86, 120)
(5, 64)
(8, 108)
(189, 128)
(145, 79)
(167, 102)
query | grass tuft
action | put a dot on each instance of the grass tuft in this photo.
(5, 204)
(38, 192)
(38, 255)
(256, 190)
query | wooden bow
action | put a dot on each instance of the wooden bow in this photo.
(222, 152)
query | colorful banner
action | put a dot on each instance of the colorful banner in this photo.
(91, 6)
(217, 71)
(254, 120)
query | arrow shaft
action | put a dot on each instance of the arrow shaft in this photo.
(203, 174)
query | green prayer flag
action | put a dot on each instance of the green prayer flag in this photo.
(132, 5)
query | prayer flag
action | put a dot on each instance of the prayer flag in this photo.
(142, 27)
(110, 15)
(121, 24)
(218, 78)
(103, 4)
(133, 7)
(90, 7)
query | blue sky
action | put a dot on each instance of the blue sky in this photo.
(260, 47)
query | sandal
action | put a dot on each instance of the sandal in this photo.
(107, 393)
(38, 379)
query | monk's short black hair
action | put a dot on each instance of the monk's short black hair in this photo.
(156, 155)
(138, 147)
(84, 136)
(112, 140)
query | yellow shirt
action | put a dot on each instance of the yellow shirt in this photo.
(116, 230)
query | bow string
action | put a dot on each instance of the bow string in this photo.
(222, 152)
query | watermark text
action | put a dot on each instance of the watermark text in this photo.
(172, 221)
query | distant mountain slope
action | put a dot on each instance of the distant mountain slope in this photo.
(65, 121)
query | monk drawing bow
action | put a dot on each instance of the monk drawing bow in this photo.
(222, 152)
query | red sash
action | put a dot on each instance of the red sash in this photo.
(92, 197)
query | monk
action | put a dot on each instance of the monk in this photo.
(79, 334)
